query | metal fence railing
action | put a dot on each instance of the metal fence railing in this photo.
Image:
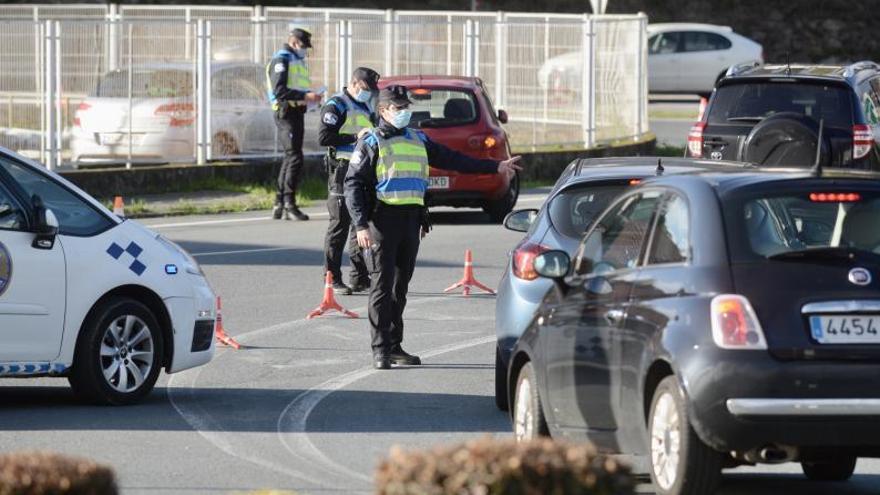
(133, 83)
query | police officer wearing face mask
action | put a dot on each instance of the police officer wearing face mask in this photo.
(385, 189)
(289, 87)
(345, 117)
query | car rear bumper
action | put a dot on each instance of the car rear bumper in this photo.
(742, 400)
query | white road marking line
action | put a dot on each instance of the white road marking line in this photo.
(244, 251)
(295, 416)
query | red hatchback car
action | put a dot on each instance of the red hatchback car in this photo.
(457, 112)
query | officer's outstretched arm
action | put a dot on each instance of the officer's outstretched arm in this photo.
(439, 156)
(360, 182)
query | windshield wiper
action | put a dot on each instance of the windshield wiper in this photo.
(824, 253)
(745, 119)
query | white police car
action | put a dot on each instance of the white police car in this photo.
(87, 295)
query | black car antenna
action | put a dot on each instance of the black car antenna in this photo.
(659, 171)
(817, 165)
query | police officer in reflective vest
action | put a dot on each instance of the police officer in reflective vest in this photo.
(385, 189)
(289, 87)
(345, 117)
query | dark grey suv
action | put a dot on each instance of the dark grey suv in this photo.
(772, 114)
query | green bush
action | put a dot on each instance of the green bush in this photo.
(495, 467)
(41, 473)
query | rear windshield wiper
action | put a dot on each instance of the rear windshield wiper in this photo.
(745, 119)
(824, 253)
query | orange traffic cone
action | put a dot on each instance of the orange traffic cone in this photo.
(118, 206)
(329, 302)
(220, 333)
(468, 280)
(702, 110)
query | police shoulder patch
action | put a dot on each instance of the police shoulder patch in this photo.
(279, 67)
(330, 118)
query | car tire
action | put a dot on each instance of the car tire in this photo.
(500, 382)
(499, 208)
(839, 469)
(681, 464)
(528, 415)
(118, 355)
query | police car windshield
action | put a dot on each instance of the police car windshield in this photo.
(752, 101)
(442, 107)
(146, 83)
(818, 223)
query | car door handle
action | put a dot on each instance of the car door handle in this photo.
(614, 315)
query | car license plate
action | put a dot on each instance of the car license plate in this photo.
(438, 182)
(846, 329)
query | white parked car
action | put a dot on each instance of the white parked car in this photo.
(682, 58)
(163, 109)
(90, 296)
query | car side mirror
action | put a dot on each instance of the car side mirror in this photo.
(553, 264)
(502, 116)
(45, 226)
(520, 220)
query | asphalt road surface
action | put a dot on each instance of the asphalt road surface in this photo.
(300, 408)
(671, 117)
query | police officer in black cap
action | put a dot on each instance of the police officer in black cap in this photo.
(289, 87)
(345, 117)
(385, 189)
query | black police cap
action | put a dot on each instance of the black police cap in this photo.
(303, 36)
(396, 95)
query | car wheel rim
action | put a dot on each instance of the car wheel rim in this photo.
(127, 353)
(523, 427)
(665, 441)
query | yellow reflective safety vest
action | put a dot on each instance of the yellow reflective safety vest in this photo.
(357, 117)
(402, 169)
(298, 77)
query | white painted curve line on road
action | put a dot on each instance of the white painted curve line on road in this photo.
(243, 251)
(295, 416)
(203, 223)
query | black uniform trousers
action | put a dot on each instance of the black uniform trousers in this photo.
(291, 127)
(339, 230)
(396, 238)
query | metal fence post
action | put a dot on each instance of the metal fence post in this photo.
(643, 75)
(449, 70)
(130, 31)
(209, 132)
(113, 37)
(257, 21)
(468, 68)
(588, 96)
(500, 58)
(201, 100)
(49, 95)
(389, 41)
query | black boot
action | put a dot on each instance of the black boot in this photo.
(360, 285)
(381, 362)
(400, 357)
(341, 289)
(276, 211)
(291, 209)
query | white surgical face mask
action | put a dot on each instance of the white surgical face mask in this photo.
(364, 96)
(400, 118)
(300, 52)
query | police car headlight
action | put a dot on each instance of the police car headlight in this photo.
(190, 264)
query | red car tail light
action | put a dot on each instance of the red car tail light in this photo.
(81, 108)
(835, 197)
(523, 262)
(863, 140)
(734, 323)
(180, 114)
(483, 142)
(695, 140)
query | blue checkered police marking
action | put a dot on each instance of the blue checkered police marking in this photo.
(30, 369)
(116, 251)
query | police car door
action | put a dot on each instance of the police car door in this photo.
(32, 284)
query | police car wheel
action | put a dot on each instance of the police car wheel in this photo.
(500, 382)
(118, 354)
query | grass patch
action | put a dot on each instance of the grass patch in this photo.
(667, 150)
(674, 114)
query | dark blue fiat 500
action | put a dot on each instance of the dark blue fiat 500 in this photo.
(712, 320)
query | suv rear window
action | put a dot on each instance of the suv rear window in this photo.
(790, 222)
(754, 101)
(442, 107)
(574, 209)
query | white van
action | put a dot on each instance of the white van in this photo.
(90, 296)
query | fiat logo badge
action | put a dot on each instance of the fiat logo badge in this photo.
(860, 276)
